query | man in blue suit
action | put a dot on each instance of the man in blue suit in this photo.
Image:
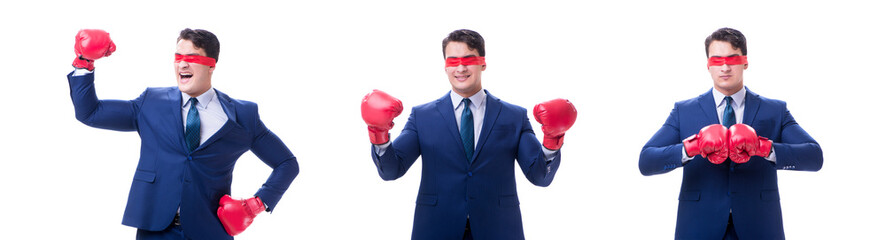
(734, 198)
(191, 138)
(468, 141)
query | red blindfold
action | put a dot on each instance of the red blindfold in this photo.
(455, 62)
(208, 61)
(733, 60)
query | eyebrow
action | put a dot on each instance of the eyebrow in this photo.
(472, 55)
(733, 55)
(189, 54)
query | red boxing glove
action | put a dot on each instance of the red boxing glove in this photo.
(92, 44)
(379, 110)
(556, 116)
(711, 142)
(237, 215)
(744, 143)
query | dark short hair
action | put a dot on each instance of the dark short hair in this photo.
(729, 35)
(202, 39)
(469, 37)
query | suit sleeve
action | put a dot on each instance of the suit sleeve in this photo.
(271, 150)
(535, 166)
(662, 153)
(796, 150)
(117, 115)
(401, 154)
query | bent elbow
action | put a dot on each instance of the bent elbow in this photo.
(388, 177)
(817, 159)
(807, 157)
(643, 165)
(294, 168)
(82, 117)
(85, 114)
(645, 172)
(543, 183)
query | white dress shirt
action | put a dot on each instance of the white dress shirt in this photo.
(478, 110)
(737, 104)
(80, 72)
(738, 100)
(212, 115)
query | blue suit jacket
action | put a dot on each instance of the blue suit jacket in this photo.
(452, 189)
(750, 189)
(168, 176)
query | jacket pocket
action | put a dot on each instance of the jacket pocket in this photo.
(426, 199)
(769, 195)
(508, 201)
(144, 176)
(690, 196)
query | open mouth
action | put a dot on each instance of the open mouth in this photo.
(462, 78)
(185, 76)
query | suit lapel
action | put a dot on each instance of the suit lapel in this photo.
(175, 97)
(230, 110)
(444, 106)
(706, 103)
(493, 108)
(751, 105)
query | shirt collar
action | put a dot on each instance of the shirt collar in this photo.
(738, 97)
(202, 100)
(478, 98)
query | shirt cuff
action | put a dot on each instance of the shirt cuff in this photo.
(771, 156)
(549, 154)
(80, 72)
(381, 148)
(685, 158)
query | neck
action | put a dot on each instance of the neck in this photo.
(467, 94)
(728, 92)
(200, 93)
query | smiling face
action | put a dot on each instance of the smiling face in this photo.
(465, 80)
(728, 79)
(193, 79)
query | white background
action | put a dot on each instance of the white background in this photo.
(308, 65)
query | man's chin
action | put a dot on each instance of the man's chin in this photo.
(465, 91)
(184, 89)
(728, 88)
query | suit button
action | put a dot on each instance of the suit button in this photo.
(190, 158)
(470, 174)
